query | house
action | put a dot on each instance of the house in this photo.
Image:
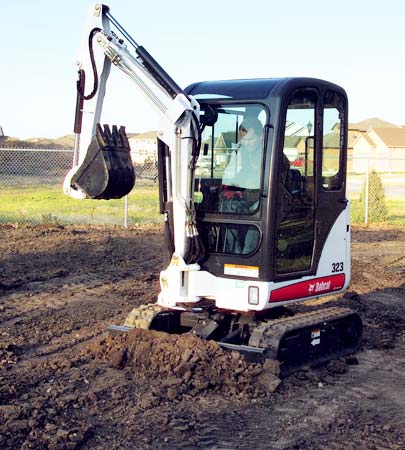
(225, 143)
(380, 149)
(357, 129)
(294, 147)
(143, 147)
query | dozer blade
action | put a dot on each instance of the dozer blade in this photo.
(107, 171)
(309, 338)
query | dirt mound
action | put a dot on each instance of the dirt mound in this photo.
(7, 355)
(186, 366)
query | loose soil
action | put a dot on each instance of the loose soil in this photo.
(66, 384)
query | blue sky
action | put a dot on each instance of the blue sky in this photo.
(358, 45)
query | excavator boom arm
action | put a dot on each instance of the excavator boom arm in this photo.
(102, 167)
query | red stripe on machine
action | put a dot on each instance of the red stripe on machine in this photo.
(310, 288)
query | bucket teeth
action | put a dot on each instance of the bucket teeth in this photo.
(107, 171)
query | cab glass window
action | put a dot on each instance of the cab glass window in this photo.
(295, 206)
(229, 170)
(332, 143)
(231, 238)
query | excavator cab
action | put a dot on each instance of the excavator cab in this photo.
(269, 187)
(272, 214)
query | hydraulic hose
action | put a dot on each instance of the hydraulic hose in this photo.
(93, 65)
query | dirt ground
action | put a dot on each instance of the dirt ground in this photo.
(65, 384)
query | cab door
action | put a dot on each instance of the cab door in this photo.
(331, 163)
(296, 199)
(311, 182)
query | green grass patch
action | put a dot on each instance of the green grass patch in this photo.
(48, 204)
(395, 212)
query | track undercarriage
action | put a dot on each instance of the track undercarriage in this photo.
(292, 339)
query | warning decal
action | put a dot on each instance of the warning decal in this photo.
(241, 271)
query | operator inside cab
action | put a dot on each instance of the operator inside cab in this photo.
(229, 179)
(242, 175)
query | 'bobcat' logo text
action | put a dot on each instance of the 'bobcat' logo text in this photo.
(319, 286)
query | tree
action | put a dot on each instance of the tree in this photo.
(377, 208)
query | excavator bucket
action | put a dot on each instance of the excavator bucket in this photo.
(107, 171)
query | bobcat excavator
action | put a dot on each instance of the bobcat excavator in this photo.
(252, 185)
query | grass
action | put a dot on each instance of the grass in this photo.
(395, 216)
(48, 204)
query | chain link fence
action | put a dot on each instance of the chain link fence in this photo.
(31, 191)
(376, 189)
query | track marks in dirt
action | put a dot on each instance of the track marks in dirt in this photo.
(66, 319)
(58, 395)
(367, 410)
(35, 298)
(368, 404)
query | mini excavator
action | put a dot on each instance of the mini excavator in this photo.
(252, 186)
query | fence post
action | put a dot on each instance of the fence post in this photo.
(126, 211)
(367, 191)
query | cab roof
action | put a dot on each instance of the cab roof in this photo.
(255, 89)
(248, 89)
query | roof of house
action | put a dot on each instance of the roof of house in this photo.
(292, 141)
(331, 140)
(295, 129)
(229, 138)
(392, 137)
(352, 136)
(368, 139)
(373, 122)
